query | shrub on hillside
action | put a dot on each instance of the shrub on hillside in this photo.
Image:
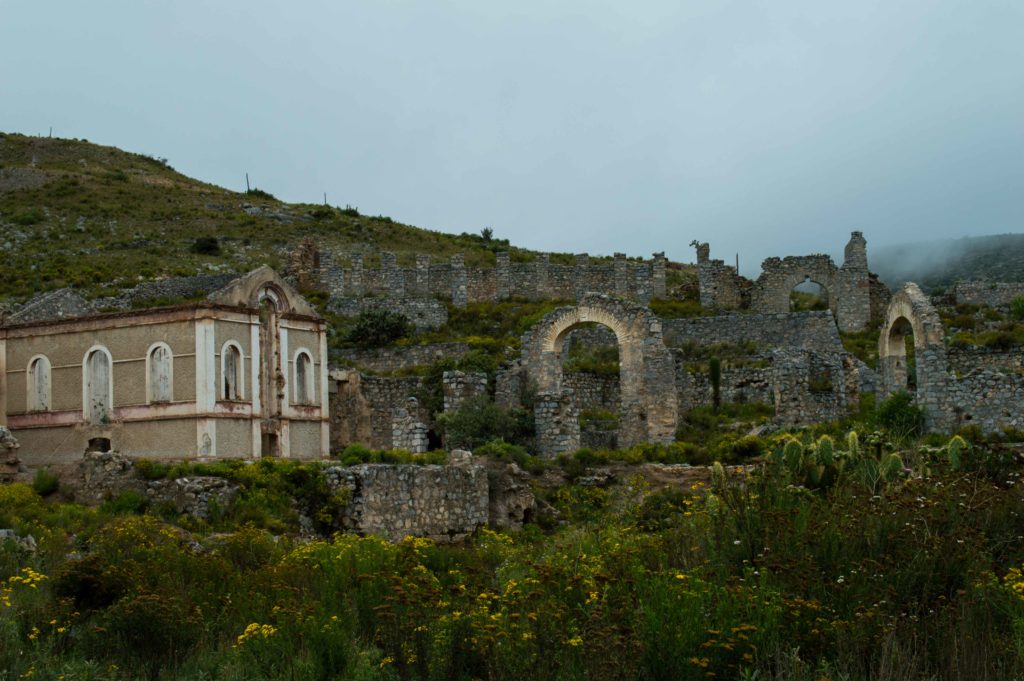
(479, 421)
(206, 245)
(900, 415)
(45, 482)
(377, 328)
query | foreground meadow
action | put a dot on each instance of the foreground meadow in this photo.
(828, 561)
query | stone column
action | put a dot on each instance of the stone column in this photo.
(581, 282)
(503, 274)
(642, 274)
(394, 278)
(621, 276)
(658, 289)
(460, 282)
(423, 276)
(558, 425)
(542, 266)
(356, 280)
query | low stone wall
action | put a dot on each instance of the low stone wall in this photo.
(444, 503)
(423, 313)
(991, 293)
(396, 357)
(740, 384)
(990, 399)
(965, 360)
(808, 330)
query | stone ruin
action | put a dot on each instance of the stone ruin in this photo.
(417, 291)
(855, 295)
(985, 388)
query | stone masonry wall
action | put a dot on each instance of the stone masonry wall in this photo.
(444, 503)
(537, 280)
(395, 357)
(965, 360)
(460, 386)
(991, 293)
(362, 408)
(810, 330)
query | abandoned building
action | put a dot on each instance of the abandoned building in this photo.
(853, 294)
(240, 374)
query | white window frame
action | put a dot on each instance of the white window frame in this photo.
(31, 392)
(240, 382)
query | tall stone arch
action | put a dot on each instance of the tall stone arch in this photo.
(646, 372)
(910, 312)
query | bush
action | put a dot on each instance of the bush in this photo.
(1017, 308)
(260, 194)
(479, 421)
(899, 415)
(151, 470)
(206, 245)
(377, 328)
(45, 482)
(28, 217)
(126, 502)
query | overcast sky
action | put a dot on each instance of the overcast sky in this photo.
(765, 128)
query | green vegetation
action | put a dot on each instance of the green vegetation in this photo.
(602, 360)
(378, 327)
(478, 421)
(835, 559)
(101, 219)
(800, 301)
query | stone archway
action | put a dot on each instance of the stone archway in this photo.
(910, 312)
(780, 276)
(646, 372)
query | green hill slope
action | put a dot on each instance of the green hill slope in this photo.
(78, 214)
(938, 264)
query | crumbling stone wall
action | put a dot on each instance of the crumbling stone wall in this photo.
(721, 287)
(362, 409)
(396, 357)
(444, 503)
(739, 384)
(408, 432)
(991, 293)
(854, 295)
(646, 371)
(538, 280)
(810, 387)
(815, 330)
(992, 399)
(459, 386)
(967, 359)
(557, 423)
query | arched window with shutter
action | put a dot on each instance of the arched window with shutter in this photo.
(38, 385)
(97, 385)
(304, 382)
(160, 373)
(232, 372)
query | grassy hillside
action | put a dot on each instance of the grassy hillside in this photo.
(78, 214)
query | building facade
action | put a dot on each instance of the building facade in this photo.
(241, 374)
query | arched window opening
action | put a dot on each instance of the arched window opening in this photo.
(808, 295)
(98, 386)
(160, 376)
(304, 383)
(901, 350)
(591, 369)
(231, 373)
(39, 384)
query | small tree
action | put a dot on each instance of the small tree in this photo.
(376, 328)
(487, 234)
